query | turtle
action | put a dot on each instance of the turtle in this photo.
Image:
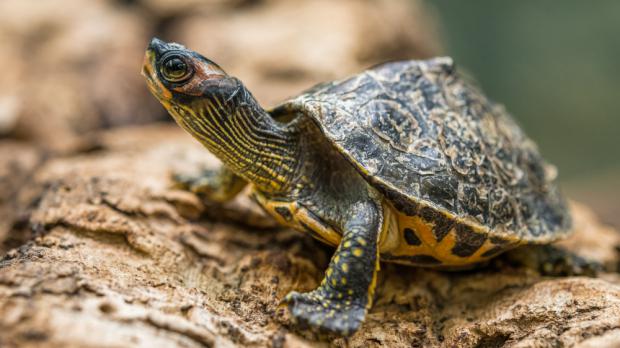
(405, 162)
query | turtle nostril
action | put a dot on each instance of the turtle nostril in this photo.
(157, 45)
(156, 42)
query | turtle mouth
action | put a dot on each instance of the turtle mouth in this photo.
(152, 80)
(147, 65)
(147, 68)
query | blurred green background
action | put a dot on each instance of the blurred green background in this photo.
(556, 66)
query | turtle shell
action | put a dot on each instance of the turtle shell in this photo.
(426, 137)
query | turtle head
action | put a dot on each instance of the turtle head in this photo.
(197, 93)
(218, 111)
(176, 75)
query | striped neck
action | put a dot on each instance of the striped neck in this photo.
(233, 126)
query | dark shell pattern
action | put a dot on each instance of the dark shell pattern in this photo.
(426, 136)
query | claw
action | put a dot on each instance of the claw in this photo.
(181, 181)
(289, 297)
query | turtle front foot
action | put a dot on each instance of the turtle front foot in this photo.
(218, 186)
(187, 182)
(324, 314)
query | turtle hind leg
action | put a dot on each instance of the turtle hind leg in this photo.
(338, 306)
(551, 260)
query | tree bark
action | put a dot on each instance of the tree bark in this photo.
(103, 253)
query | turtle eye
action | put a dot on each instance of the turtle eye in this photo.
(175, 69)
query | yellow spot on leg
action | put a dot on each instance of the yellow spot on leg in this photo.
(357, 252)
(345, 267)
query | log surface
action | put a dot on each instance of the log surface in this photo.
(103, 253)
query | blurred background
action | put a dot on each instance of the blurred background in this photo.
(71, 67)
(556, 67)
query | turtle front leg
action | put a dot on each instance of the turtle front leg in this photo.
(215, 185)
(340, 303)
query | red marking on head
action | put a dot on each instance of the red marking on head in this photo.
(203, 71)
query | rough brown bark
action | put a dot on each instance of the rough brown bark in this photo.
(104, 254)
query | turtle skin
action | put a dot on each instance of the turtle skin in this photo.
(433, 144)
